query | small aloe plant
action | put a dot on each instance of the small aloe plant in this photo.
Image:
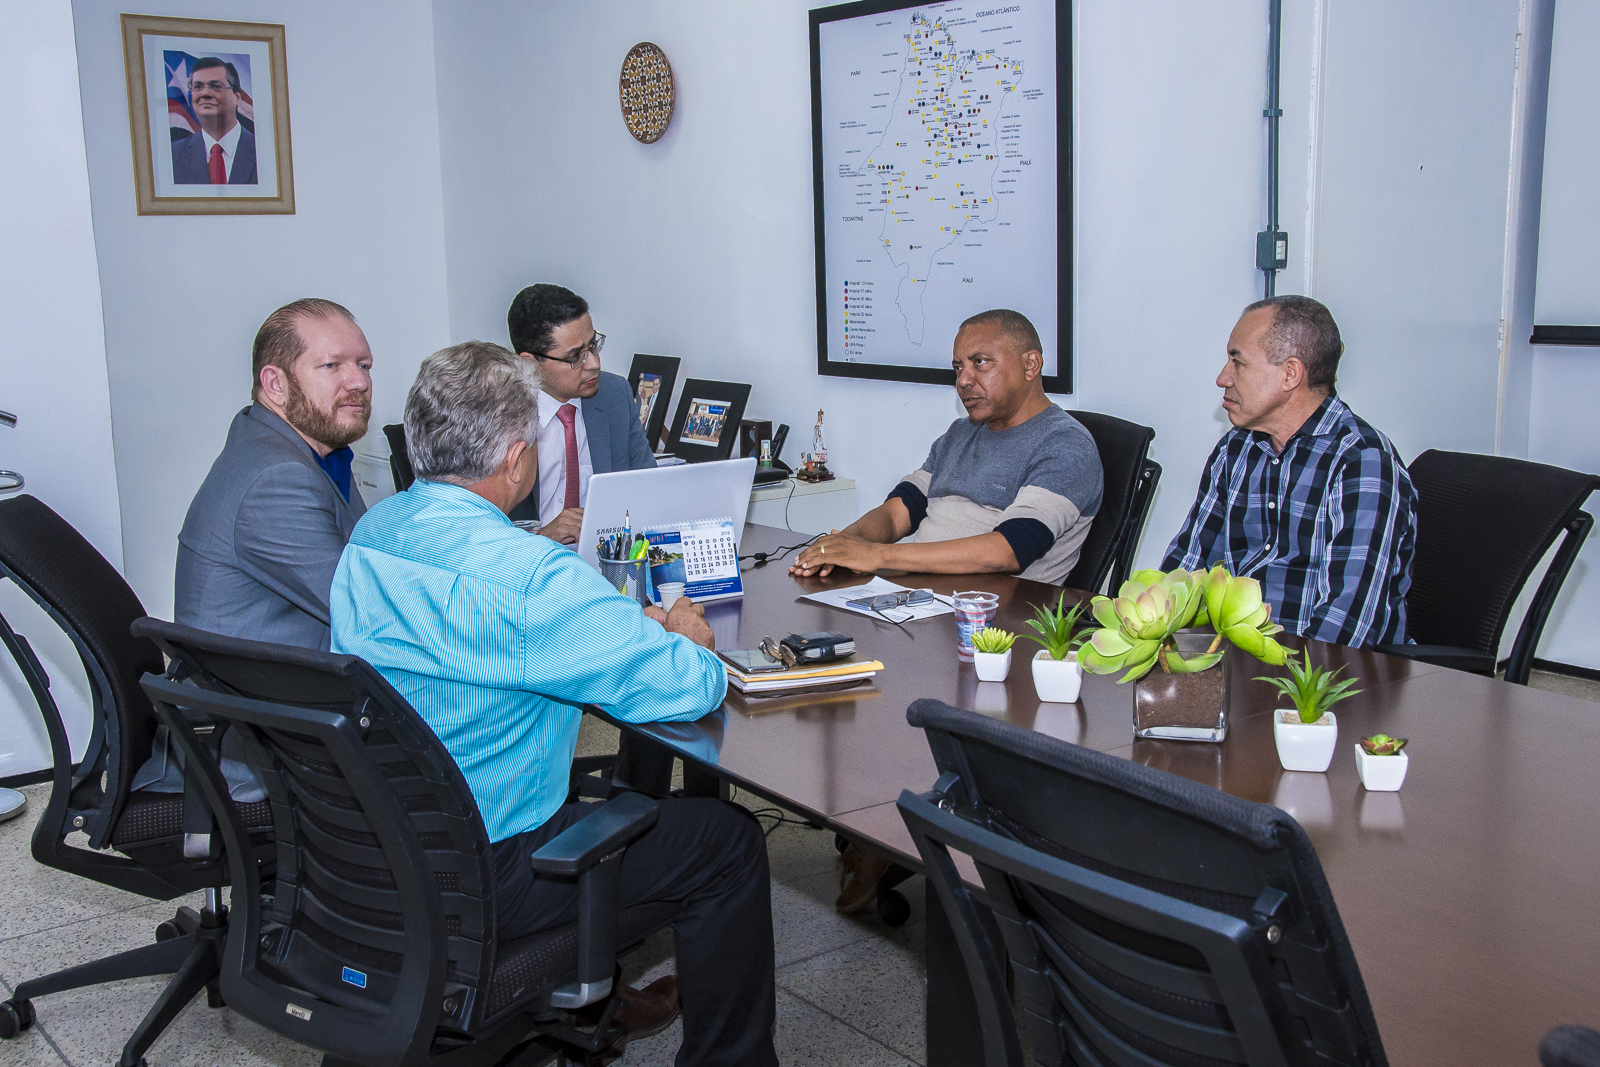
(1382, 745)
(1055, 626)
(1311, 688)
(993, 641)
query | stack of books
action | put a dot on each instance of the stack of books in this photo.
(838, 674)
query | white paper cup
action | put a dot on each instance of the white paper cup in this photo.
(669, 592)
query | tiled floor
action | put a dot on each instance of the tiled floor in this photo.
(849, 988)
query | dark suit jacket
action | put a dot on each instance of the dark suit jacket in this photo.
(189, 161)
(262, 538)
(616, 440)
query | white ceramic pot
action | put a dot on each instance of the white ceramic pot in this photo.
(1057, 680)
(1303, 747)
(992, 666)
(1381, 774)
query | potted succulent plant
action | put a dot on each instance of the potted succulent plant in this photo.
(991, 653)
(1057, 674)
(1381, 763)
(1306, 735)
(1177, 621)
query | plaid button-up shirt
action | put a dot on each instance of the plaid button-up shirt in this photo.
(1328, 526)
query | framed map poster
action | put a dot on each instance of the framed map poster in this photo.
(942, 176)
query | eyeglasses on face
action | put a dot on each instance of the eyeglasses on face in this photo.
(216, 87)
(580, 357)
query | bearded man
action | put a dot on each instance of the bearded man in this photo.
(264, 534)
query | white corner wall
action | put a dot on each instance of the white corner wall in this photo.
(52, 361)
(184, 295)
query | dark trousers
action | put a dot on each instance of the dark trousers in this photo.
(709, 857)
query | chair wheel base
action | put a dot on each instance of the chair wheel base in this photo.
(15, 1017)
(893, 907)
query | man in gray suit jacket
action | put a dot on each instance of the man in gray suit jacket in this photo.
(264, 534)
(551, 324)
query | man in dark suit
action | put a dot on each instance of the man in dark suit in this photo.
(223, 152)
(551, 325)
(264, 534)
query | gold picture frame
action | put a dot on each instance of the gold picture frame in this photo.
(176, 160)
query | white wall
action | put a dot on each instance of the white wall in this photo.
(701, 245)
(52, 362)
(1565, 386)
(184, 295)
(1412, 212)
(1396, 160)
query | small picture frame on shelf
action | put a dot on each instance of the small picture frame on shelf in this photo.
(651, 380)
(706, 426)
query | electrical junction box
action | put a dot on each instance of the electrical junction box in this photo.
(1272, 250)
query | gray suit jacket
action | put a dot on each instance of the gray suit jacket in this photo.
(616, 440)
(190, 167)
(259, 546)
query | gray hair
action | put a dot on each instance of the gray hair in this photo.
(469, 404)
(1303, 328)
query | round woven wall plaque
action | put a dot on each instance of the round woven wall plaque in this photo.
(647, 92)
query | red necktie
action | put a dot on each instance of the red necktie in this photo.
(566, 413)
(219, 173)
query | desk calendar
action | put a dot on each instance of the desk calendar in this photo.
(701, 555)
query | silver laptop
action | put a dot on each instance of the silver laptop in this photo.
(689, 492)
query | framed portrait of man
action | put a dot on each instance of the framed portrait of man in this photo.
(208, 108)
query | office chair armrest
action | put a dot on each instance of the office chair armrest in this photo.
(609, 827)
(592, 849)
(1570, 1046)
(1459, 659)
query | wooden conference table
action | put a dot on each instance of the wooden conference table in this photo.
(1472, 897)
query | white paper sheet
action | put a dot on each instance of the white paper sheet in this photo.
(836, 598)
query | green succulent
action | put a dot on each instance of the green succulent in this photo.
(1312, 689)
(993, 641)
(1055, 626)
(1137, 627)
(1382, 745)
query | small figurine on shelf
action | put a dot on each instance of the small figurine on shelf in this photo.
(815, 465)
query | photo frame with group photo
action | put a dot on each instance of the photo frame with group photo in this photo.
(208, 110)
(706, 426)
(650, 380)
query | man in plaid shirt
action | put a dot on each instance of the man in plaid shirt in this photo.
(1301, 493)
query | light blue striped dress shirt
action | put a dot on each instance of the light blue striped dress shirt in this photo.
(498, 637)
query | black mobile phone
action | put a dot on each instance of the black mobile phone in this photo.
(751, 660)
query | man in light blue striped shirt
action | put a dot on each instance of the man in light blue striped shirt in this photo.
(498, 638)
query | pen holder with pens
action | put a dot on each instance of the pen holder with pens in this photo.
(630, 577)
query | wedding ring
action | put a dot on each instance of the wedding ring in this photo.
(822, 550)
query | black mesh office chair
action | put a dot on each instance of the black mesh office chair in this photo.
(379, 946)
(1570, 1046)
(157, 845)
(1483, 525)
(1130, 479)
(399, 458)
(1148, 920)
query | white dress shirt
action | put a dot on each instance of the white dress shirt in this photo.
(553, 458)
(229, 143)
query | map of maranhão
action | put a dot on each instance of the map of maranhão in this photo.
(938, 162)
(940, 156)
